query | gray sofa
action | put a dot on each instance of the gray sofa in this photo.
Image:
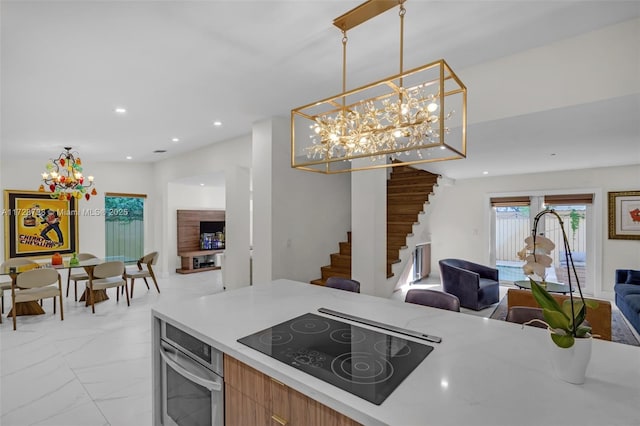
(627, 290)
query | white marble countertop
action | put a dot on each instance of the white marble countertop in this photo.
(485, 372)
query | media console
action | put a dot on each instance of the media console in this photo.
(198, 261)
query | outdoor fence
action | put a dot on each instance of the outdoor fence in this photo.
(124, 238)
(513, 227)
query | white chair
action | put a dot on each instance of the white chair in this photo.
(81, 276)
(5, 280)
(36, 284)
(107, 275)
(145, 269)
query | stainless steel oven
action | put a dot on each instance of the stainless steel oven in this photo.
(192, 380)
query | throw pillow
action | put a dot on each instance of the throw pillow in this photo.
(633, 277)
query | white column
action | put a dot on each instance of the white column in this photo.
(261, 153)
(3, 206)
(237, 217)
(369, 230)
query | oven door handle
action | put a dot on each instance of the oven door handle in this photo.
(210, 385)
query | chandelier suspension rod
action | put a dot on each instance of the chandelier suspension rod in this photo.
(402, 12)
(344, 64)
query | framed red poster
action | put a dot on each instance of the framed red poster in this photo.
(37, 225)
(624, 215)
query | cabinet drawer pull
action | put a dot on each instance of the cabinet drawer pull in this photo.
(279, 419)
(277, 381)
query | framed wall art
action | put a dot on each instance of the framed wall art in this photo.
(37, 225)
(624, 215)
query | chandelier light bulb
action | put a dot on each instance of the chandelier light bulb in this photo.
(432, 107)
(64, 178)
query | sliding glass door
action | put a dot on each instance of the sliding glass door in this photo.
(513, 221)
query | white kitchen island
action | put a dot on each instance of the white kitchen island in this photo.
(485, 372)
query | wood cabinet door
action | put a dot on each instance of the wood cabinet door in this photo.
(240, 410)
(253, 398)
(247, 380)
(309, 412)
(280, 403)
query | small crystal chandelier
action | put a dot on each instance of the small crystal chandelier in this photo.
(64, 178)
(401, 120)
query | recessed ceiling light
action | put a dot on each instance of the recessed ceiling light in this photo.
(120, 110)
(129, 157)
(443, 147)
(553, 154)
(175, 140)
(159, 151)
(217, 123)
(485, 172)
(202, 184)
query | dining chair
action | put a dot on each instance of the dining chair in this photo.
(145, 270)
(107, 275)
(433, 298)
(36, 284)
(523, 314)
(5, 280)
(343, 284)
(81, 276)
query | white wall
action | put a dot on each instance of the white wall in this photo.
(187, 197)
(459, 216)
(299, 217)
(214, 158)
(131, 178)
(190, 197)
(237, 255)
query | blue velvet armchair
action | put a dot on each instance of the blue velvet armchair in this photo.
(477, 286)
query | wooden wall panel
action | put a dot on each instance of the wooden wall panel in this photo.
(189, 226)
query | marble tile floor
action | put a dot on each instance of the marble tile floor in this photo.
(90, 369)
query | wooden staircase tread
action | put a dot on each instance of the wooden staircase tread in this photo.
(408, 190)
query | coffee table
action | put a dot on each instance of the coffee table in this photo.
(551, 287)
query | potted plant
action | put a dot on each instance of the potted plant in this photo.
(570, 333)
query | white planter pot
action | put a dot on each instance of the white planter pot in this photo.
(570, 364)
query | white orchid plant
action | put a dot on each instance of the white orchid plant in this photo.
(565, 321)
(537, 255)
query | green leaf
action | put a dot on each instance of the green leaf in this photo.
(591, 303)
(544, 299)
(582, 313)
(562, 341)
(556, 319)
(583, 331)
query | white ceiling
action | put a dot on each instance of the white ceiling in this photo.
(177, 66)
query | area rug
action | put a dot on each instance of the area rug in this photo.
(620, 331)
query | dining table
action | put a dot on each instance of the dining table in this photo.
(88, 265)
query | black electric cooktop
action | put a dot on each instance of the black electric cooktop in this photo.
(367, 363)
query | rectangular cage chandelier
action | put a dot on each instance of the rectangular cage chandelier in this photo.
(416, 116)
